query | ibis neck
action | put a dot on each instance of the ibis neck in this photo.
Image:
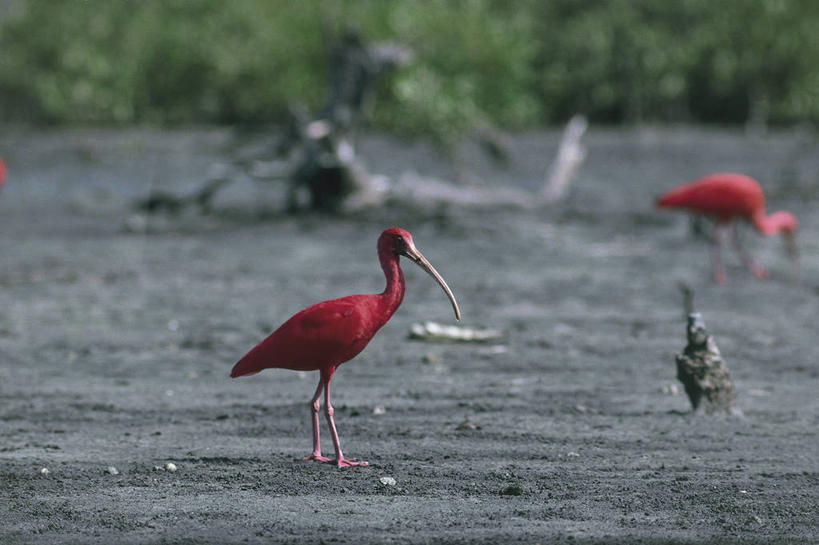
(767, 225)
(393, 293)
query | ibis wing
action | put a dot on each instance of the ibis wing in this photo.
(323, 335)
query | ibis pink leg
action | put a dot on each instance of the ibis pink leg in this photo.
(340, 460)
(758, 270)
(315, 405)
(716, 242)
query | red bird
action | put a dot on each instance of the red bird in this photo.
(2, 172)
(325, 335)
(724, 197)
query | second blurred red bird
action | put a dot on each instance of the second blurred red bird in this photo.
(725, 197)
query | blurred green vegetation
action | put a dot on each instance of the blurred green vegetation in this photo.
(515, 64)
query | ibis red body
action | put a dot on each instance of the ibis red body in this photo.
(323, 336)
(2, 172)
(726, 197)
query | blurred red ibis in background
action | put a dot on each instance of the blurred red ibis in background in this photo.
(725, 197)
(2, 172)
(323, 336)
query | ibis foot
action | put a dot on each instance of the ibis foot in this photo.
(317, 458)
(760, 271)
(344, 462)
(348, 462)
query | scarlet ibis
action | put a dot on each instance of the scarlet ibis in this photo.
(2, 172)
(725, 197)
(323, 336)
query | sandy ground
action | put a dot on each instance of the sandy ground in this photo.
(115, 344)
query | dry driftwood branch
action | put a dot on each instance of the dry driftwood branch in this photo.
(570, 156)
(322, 158)
(435, 332)
(325, 174)
(161, 201)
(327, 168)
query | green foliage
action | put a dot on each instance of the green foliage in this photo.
(516, 64)
(474, 66)
(629, 60)
(176, 61)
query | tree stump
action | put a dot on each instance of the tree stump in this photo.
(703, 372)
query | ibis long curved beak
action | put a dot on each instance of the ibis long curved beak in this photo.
(412, 252)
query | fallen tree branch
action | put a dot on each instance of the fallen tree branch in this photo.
(570, 156)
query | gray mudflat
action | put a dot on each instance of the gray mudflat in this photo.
(115, 346)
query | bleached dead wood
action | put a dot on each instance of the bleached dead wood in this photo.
(435, 332)
(570, 156)
(426, 191)
(329, 169)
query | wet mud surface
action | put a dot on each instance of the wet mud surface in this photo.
(117, 333)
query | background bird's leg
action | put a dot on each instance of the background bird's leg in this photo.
(315, 405)
(793, 254)
(716, 241)
(328, 408)
(758, 270)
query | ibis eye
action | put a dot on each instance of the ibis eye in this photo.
(399, 244)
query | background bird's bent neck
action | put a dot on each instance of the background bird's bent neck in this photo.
(777, 222)
(390, 299)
